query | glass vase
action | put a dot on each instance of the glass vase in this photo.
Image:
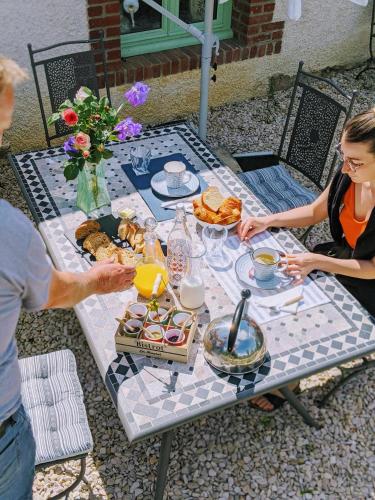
(92, 192)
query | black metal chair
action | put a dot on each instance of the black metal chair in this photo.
(312, 121)
(65, 74)
(370, 62)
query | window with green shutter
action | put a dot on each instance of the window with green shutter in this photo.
(149, 31)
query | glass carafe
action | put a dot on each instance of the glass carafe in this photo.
(151, 264)
(179, 242)
(192, 286)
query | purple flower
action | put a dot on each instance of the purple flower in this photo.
(127, 128)
(69, 145)
(138, 94)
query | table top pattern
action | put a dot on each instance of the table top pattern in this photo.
(153, 395)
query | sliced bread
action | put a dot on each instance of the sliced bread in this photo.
(212, 199)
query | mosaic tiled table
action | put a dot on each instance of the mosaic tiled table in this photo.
(152, 395)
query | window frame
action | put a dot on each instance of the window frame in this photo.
(171, 36)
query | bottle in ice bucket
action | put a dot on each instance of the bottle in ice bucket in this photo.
(178, 245)
(152, 263)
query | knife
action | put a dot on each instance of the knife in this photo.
(188, 210)
(278, 307)
(167, 204)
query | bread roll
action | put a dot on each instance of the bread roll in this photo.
(86, 228)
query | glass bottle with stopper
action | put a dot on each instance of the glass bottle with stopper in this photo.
(151, 268)
(178, 245)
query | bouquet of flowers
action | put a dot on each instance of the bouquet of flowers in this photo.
(94, 122)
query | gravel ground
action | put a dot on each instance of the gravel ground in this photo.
(234, 454)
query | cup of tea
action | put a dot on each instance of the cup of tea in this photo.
(176, 174)
(266, 262)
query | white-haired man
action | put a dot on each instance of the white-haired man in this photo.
(28, 280)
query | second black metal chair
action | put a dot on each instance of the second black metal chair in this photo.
(65, 74)
(313, 120)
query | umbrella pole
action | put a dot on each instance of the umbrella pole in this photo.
(208, 41)
(205, 67)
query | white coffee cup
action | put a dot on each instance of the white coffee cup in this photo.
(176, 174)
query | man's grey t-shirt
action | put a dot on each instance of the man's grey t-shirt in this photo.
(25, 273)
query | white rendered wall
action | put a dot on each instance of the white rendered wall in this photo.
(41, 23)
(329, 33)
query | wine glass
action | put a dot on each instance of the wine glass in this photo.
(213, 239)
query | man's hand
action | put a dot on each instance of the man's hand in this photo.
(301, 264)
(251, 226)
(106, 277)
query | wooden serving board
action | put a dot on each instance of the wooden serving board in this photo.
(161, 349)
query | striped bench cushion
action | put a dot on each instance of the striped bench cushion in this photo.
(277, 189)
(52, 397)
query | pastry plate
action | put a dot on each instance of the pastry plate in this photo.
(207, 224)
(245, 274)
(108, 225)
(159, 185)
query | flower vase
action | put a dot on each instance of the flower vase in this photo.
(92, 192)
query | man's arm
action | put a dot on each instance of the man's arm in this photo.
(67, 289)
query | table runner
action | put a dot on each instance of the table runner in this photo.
(312, 295)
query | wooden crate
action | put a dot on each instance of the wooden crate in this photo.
(161, 349)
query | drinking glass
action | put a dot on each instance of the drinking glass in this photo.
(140, 157)
(213, 239)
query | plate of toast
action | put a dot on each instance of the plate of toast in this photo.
(108, 238)
(211, 208)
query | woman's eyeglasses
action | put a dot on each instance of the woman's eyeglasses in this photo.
(353, 167)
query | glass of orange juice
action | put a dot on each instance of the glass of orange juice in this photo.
(146, 276)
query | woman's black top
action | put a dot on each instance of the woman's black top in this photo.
(363, 290)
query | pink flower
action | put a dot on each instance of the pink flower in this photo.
(81, 94)
(86, 154)
(70, 117)
(82, 141)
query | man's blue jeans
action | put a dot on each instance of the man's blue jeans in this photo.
(17, 459)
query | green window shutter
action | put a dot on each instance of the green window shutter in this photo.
(171, 36)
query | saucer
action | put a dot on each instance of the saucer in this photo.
(245, 273)
(159, 184)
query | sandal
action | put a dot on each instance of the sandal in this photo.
(272, 400)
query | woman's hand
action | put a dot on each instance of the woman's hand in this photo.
(251, 226)
(301, 264)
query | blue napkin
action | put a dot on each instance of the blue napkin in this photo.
(142, 183)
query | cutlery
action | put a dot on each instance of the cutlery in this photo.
(280, 306)
(167, 204)
(187, 209)
(165, 315)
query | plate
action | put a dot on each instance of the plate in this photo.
(159, 184)
(207, 224)
(245, 273)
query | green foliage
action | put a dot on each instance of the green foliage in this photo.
(71, 170)
(53, 118)
(95, 126)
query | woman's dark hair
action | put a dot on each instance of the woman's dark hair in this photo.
(361, 128)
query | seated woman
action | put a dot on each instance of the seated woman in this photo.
(349, 204)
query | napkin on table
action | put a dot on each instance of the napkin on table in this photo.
(279, 299)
